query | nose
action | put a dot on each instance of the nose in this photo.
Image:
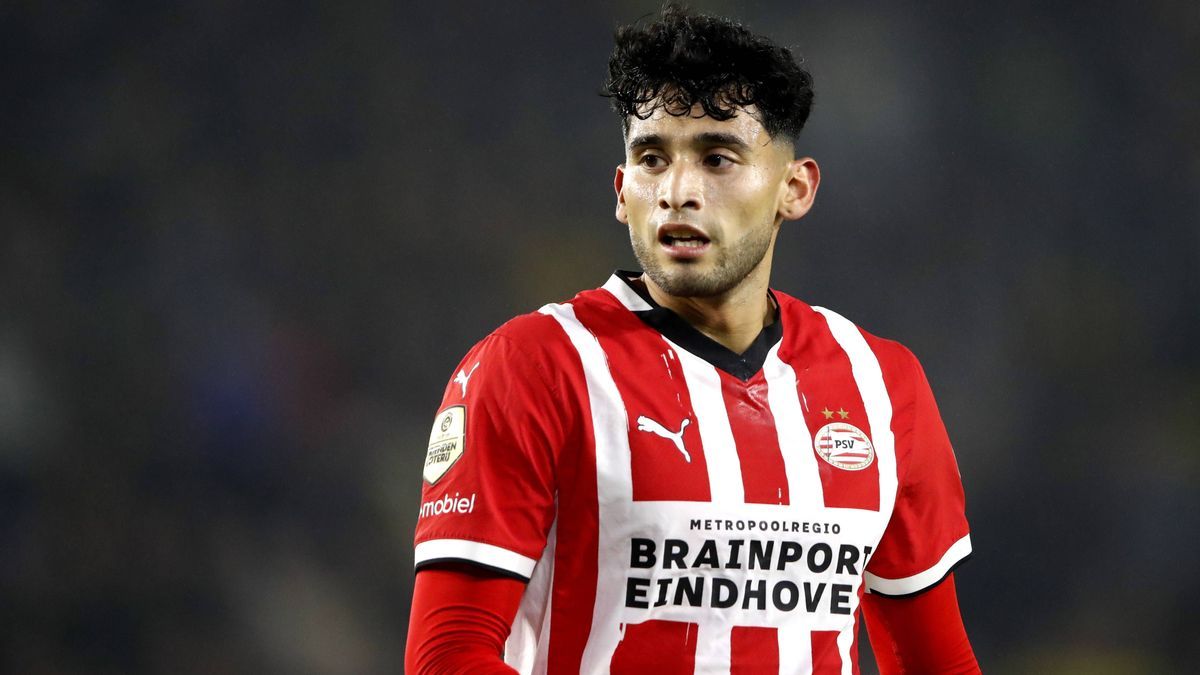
(681, 188)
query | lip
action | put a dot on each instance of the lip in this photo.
(668, 231)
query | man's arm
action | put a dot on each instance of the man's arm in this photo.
(919, 634)
(461, 617)
(489, 496)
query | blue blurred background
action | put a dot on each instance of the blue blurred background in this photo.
(244, 245)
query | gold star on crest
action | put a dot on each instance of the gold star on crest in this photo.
(842, 413)
(827, 413)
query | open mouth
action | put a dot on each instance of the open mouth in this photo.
(682, 241)
(685, 242)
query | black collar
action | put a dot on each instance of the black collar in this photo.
(676, 329)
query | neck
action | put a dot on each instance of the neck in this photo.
(733, 319)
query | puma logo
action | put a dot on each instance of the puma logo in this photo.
(463, 377)
(676, 437)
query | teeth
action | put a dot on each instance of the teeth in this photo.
(686, 243)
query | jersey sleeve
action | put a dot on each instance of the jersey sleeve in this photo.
(460, 620)
(927, 536)
(922, 634)
(489, 484)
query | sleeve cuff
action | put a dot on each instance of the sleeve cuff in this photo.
(958, 553)
(485, 555)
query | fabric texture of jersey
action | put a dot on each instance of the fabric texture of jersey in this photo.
(679, 508)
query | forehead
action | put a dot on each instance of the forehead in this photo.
(744, 124)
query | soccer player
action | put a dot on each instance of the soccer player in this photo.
(684, 471)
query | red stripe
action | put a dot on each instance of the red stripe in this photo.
(830, 383)
(753, 650)
(826, 658)
(764, 479)
(659, 647)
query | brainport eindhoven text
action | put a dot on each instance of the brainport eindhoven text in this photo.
(720, 571)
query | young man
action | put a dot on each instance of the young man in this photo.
(684, 471)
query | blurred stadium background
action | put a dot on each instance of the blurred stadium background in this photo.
(244, 245)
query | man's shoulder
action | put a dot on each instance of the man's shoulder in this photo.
(891, 354)
(544, 324)
(529, 329)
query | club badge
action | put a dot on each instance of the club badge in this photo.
(844, 446)
(446, 442)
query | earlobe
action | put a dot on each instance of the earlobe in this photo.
(618, 184)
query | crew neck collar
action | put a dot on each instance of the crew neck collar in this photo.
(675, 328)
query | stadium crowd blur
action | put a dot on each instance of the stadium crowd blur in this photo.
(245, 244)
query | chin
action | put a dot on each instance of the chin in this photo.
(688, 283)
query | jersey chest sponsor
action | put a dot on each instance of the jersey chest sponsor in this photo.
(761, 565)
(717, 581)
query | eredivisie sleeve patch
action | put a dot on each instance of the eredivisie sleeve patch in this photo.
(446, 442)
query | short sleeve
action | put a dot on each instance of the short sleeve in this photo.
(489, 481)
(927, 536)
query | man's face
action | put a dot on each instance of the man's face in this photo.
(704, 199)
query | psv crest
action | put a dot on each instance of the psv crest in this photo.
(446, 442)
(844, 446)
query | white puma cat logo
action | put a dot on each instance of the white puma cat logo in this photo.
(676, 437)
(462, 378)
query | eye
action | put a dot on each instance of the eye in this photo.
(717, 161)
(650, 161)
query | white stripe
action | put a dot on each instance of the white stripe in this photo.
(720, 451)
(528, 644)
(795, 651)
(609, 420)
(795, 443)
(713, 645)
(845, 640)
(919, 582)
(610, 427)
(484, 554)
(632, 301)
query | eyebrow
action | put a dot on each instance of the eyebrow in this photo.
(644, 140)
(706, 138)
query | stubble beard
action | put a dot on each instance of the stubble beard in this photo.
(684, 279)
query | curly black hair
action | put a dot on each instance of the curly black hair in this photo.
(684, 59)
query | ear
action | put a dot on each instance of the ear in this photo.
(800, 189)
(618, 184)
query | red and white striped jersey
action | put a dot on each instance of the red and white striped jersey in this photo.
(678, 508)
